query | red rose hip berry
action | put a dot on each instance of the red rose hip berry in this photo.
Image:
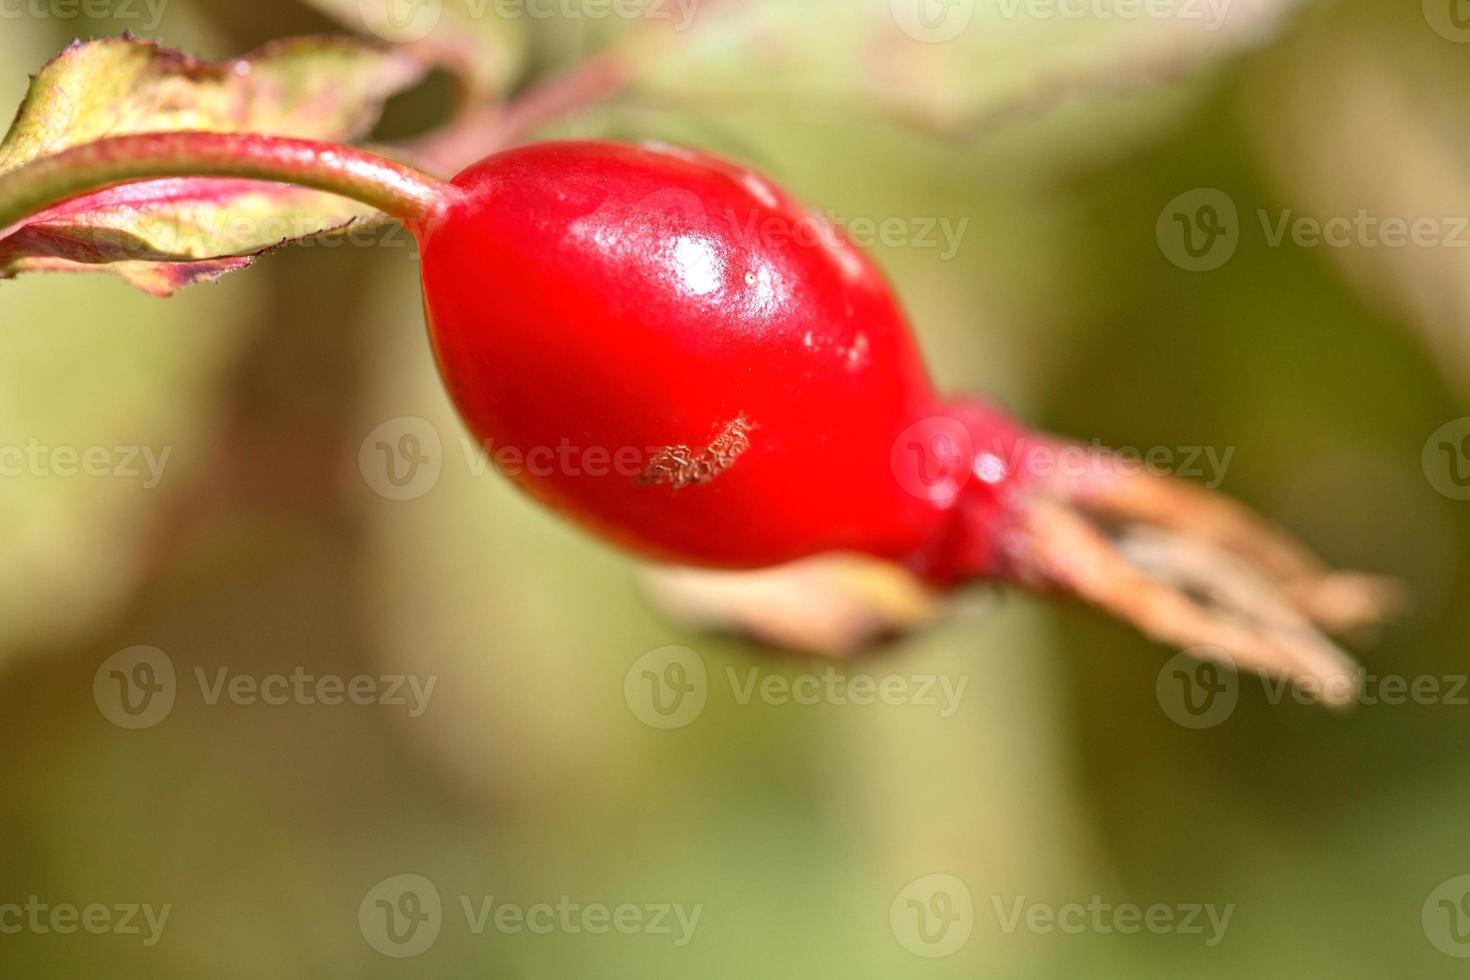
(737, 370)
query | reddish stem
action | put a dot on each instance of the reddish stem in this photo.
(399, 191)
(487, 129)
(482, 130)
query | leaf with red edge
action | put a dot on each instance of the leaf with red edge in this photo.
(162, 235)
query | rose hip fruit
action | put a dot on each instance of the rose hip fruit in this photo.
(669, 349)
(738, 370)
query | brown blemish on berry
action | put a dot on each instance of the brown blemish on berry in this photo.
(683, 466)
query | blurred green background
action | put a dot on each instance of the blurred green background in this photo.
(793, 827)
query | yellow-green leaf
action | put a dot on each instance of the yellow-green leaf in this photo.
(160, 235)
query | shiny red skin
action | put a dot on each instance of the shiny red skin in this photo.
(613, 297)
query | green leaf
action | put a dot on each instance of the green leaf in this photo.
(161, 235)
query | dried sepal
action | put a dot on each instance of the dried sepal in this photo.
(834, 605)
(1194, 569)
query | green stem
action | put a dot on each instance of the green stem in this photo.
(401, 192)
